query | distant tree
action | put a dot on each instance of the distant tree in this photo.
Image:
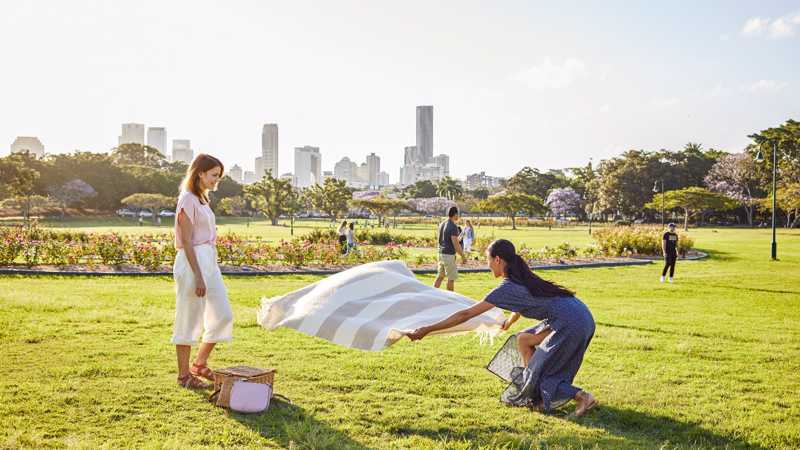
(71, 192)
(692, 200)
(788, 201)
(532, 181)
(271, 196)
(449, 188)
(153, 202)
(563, 202)
(512, 204)
(331, 198)
(232, 206)
(421, 189)
(736, 177)
(786, 138)
(18, 181)
(480, 193)
(381, 206)
(138, 155)
(29, 204)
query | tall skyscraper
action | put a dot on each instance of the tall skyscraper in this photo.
(236, 174)
(345, 170)
(373, 169)
(182, 151)
(383, 179)
(132, 133)
(157, 138)
(307, 166)
(425, 133)
(269, 147)
(411, 156)
(30, 144)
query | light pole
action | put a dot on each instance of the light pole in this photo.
(760, 159)
(655, 190)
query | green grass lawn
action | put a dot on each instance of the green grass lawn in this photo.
(711, 361)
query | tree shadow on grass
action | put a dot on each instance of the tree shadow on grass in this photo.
(292, 427)
(623, 428)
(718, 255)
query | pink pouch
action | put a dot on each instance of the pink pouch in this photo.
(250, 397)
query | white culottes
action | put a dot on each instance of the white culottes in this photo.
(209, 317)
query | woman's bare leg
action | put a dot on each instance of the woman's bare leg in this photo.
(527, 342)
(203, 352)
(183, 352)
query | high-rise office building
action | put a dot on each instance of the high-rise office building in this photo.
(132, 133)
(236, 174)
(269, 148)
(182, 151)
(249, 177)
(425, 133)
(411, 156)
(157, 138)
(373, 169)
(307, 166)
(260, 172)
(383, 179)
(345, 170)
(30, 144)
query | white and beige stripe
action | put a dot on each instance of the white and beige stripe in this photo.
(369, 307)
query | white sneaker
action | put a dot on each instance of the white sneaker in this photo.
(670, 279)
(662, 279)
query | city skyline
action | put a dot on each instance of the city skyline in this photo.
(549, 86)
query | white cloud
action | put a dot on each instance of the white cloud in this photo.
(782, 27)
(665, 102)
(754, 26)
(553, 76)
(766, 86)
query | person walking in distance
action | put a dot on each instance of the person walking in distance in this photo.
(449, 246)
(669, 245)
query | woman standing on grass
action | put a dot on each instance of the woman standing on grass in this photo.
(468, 236)
(343, 236)
(553, 350)
(202, 312)
(351, 237)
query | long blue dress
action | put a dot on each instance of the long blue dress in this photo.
(547, 380)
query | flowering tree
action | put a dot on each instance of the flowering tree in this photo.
(433, 205)
(563, 201)
(71, 192)
(735, 176)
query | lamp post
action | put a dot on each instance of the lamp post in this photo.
(760, 159)
(655, 190)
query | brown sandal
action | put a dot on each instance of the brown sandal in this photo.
(202, 370)
(191, 382)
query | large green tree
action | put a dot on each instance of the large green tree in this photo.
(420, 189)
(512, 204)
(786, 139)
(692, 201)
(271, 196)
(449, 188)
(138, 155)
(330, 198)
(381, 206)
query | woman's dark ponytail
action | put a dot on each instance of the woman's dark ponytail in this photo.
(518, 271)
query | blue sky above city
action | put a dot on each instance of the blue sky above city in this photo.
(545, 84)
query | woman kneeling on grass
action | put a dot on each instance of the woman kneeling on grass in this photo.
(201, 307)
(553, 350)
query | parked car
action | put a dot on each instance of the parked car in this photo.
(124, 212)
(145, 213)
(167, 213)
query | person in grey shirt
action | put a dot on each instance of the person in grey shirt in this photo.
(448, 248)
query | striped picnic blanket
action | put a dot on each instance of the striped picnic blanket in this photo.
(369, 307)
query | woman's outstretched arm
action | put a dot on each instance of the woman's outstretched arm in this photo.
(456, 318)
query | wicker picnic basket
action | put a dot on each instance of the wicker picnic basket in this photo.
(222, 390)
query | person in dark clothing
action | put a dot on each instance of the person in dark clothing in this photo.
(449, 246)
(552, 351)
(669, 245)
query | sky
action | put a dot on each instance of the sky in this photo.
(513, 83)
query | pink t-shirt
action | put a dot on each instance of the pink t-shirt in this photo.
(204, 225)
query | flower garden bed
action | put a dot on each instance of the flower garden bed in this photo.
(34, 249)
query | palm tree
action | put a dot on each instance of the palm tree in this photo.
(449, 188)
